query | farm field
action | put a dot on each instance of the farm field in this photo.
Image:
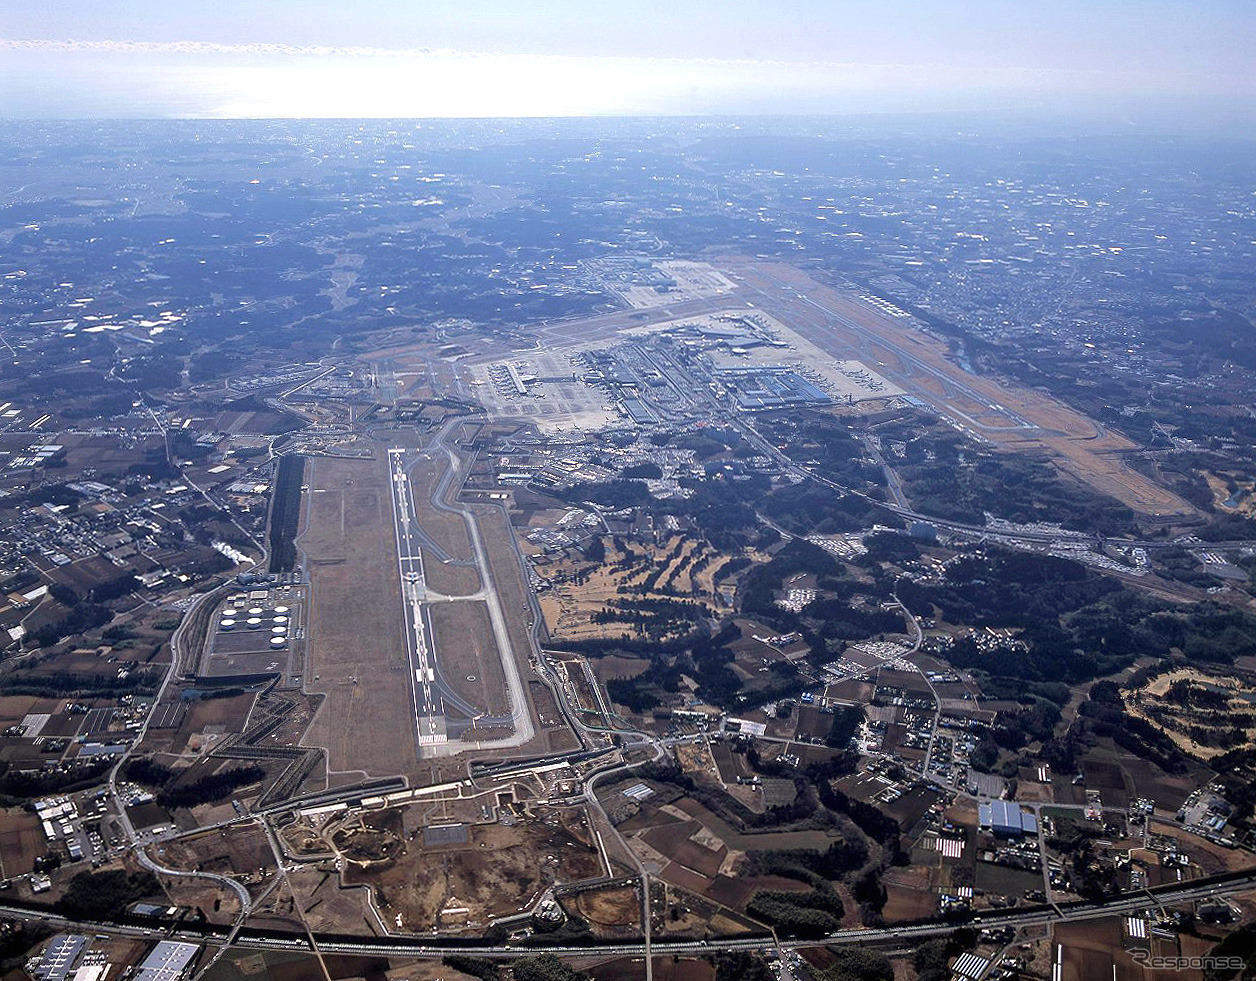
(21, 842)
(611, 912)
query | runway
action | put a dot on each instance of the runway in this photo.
(441, 715)
(430, 725)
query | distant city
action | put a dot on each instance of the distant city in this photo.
(607, 548)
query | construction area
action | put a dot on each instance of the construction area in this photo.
(427, 873)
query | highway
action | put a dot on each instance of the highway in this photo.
(430, 947)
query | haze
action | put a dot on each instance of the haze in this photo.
(557, 57)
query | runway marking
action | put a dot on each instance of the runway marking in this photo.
(429, 718)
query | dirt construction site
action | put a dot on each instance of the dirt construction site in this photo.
(424, 874)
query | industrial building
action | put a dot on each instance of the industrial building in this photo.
(167, 962)
(256, 635)
(59, 957)
(1006, 819)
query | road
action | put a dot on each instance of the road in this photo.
(590, 794)
(242, 895)
(420, 948)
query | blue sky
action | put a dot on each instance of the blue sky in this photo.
(561, 57)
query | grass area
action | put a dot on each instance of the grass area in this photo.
(285, 512)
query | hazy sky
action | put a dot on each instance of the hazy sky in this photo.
(563, 57)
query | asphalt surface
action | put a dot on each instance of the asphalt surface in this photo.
(433, 948)
(430, 725)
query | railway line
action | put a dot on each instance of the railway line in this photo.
(435, 947)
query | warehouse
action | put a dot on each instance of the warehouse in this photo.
(1006, 819)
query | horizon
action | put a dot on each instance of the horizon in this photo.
(489, 60)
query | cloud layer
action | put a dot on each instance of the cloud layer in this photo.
(103, 77)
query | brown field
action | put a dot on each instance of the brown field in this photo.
(649, 817)
(449, 579)
(735, 893)
(21, 842)
(569, 607)
(1094, 949)
(919, 364)
(617, 906)
(908, 903)
(14, 708)
(219, 903)
(327, 906)
(613, 666)
(1168, 790)
(1176, 721)
(676, 841)
(85, 574)
(467, 654)
(663, 969)
(355, 628)
(240, 850)
(214, 716)
(1206, 857)
(552, 727)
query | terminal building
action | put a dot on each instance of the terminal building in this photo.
(759, 388)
